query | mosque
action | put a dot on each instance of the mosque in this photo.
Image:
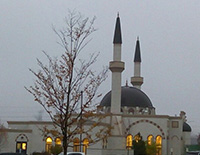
(131, 114)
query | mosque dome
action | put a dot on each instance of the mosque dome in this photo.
(186, 127)
(130, 97)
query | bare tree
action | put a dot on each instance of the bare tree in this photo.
(67, 87)
(3, 135)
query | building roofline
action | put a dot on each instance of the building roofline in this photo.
(16, 130)
(29, 122)
(147, 116)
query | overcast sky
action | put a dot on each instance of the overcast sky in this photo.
(169, 32)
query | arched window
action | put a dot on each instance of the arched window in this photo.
(58, 141)
(129, 141)
(158, 145)
(137, 137)
(76, 143)
(85, 145)
(149, 139)
(131, 110)
(21, 147)
(48, 144)
(21, 143)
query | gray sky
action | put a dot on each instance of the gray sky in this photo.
(169, 34)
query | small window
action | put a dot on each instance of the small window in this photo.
(175, 124)
(76, 143)
(158, 145)
(150, 139)
(129, 141)
(85, 145)
(58, 141)
(48, 144)
(23, 146)
(131, 111)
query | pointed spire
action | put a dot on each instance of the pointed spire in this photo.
(117, 36)
(137, 57)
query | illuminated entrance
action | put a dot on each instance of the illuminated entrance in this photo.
(21, 144)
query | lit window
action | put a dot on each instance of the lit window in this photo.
(76, 143)
(21, 147)
(158, 145)
(18, 145)
(150, 139)
(48, 144)
(21, 143)
(58, 141)
(129, 141)
(49, 140)
(85, 145)
(137, 137)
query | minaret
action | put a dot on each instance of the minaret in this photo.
(137, 80)
(116, 66)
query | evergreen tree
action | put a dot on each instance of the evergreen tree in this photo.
(151, 149)
(139, 145)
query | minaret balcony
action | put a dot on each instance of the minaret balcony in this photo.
(116, 66)
(137, 80)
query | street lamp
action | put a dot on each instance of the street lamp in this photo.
(81, 119)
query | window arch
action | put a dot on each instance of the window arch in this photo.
(58, 141)
(129, 141)
(48, 144)
(85, 145)
(131, 110)
(158, 145)
(150, 139)
(76, 144)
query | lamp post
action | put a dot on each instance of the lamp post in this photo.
(128, 151)
(81, 120)
(171, 151)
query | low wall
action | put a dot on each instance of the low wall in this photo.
(109, 152)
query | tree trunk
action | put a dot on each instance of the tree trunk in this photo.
(65, 144)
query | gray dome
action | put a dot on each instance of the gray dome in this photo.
(186, 127)
(130, 97)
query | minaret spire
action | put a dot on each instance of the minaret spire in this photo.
(137, 57)
(137, 80)
(117, 35)
(116, 66)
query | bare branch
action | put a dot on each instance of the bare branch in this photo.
(58, 84)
